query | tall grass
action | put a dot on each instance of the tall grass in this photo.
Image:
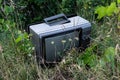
(17, 64)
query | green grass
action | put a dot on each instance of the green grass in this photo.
(15, 64)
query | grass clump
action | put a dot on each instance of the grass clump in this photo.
(98, 62)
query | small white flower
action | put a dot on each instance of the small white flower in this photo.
(63, 41)
(70, 39)
(76, 38)
(52, 42)
(29, 55)
(33, 48)
(108, 36)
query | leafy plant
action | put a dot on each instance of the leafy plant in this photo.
(106, 11)
(88, 58)
(19, 39)
(24, 44)
(16, 58)
(66, 6)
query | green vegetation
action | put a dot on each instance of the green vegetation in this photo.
(98, 62)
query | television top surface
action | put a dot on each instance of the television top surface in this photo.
(45, 29)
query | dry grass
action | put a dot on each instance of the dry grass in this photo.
(104, 34)
(1, 49)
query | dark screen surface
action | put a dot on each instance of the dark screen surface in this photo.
(55, 46)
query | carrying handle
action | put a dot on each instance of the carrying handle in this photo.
(57, 19)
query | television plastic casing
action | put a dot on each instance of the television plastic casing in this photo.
(59, 34)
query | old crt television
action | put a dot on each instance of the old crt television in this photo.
(58, 34)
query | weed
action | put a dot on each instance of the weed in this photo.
(98, 62)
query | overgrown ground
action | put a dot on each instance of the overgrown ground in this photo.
(98, 62)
